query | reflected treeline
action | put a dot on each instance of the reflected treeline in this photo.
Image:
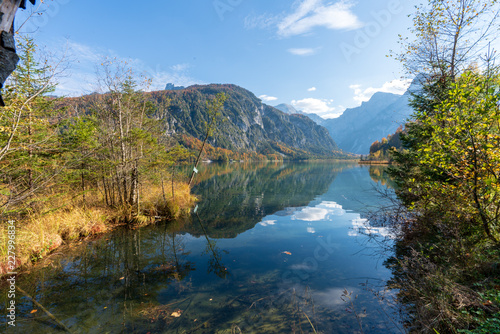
(114, 276)
(360, 189)
(379, 174)
(146, 280)
(235, 197)
(215, 264)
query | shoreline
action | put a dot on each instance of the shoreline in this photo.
(374, 162)
(38, 236)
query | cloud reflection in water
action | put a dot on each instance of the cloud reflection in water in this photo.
(324, 211)
(362, 226)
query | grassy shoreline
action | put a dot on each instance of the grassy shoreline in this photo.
(374, 162)
(39, 233)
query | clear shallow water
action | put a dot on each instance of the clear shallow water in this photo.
(271, 249)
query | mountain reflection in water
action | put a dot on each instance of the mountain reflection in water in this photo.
(272, 248)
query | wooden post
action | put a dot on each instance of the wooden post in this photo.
(8, 9)
(8, 56)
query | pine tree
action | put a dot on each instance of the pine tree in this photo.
(29, 141)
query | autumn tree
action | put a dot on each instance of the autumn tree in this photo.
(175, 155)
(461, 156)
(448, 172)
(447, 36)
(78, 139)
(213, 110)
(126, 133)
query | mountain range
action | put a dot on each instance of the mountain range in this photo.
(357, 128)
(289, 109)
(249, 127)
(247, 124)
(254, 126)
(171, 86)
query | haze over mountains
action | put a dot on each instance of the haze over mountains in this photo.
(357, 128)
(258, 127)
(289, 109)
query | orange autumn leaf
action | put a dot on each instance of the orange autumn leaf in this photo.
(33, 311)
(287, 253)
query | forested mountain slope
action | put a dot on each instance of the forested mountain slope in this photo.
(245, 123)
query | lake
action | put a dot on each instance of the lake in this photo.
(270, 248)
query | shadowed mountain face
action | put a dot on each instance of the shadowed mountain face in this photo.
(245, 125)
(357, 128)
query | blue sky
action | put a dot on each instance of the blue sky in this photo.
(320, 56)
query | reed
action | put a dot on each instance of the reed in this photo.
(63, 216)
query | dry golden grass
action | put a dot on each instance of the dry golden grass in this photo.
(65, 218)
(159, 201)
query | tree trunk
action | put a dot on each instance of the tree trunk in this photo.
(30, 154)
(118, 188)
(134, 179)
(8, 8)
(106, 191)
(198, 159)
(173, 194)
(83, 185)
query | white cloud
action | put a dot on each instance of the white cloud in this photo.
(181, 67)
(267, 98)
(81, 77)
(320, 107)
(314, 13)
(302, 51)
(321, 212)
(312, 89)
(311, 105)
(268, 222)
(339, 110)
(362, 226)
(84, 52)
(395, 86)
(160, 78)
(311, 214)
(311, 230)
(263, 21)
(332, 297)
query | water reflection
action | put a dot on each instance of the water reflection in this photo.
(326, 211)
(87, 283)
(363, 226)
(215, 262)
(379, 174)
(267, 251)
(235, 202)
(267, 222)
(320, 212)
